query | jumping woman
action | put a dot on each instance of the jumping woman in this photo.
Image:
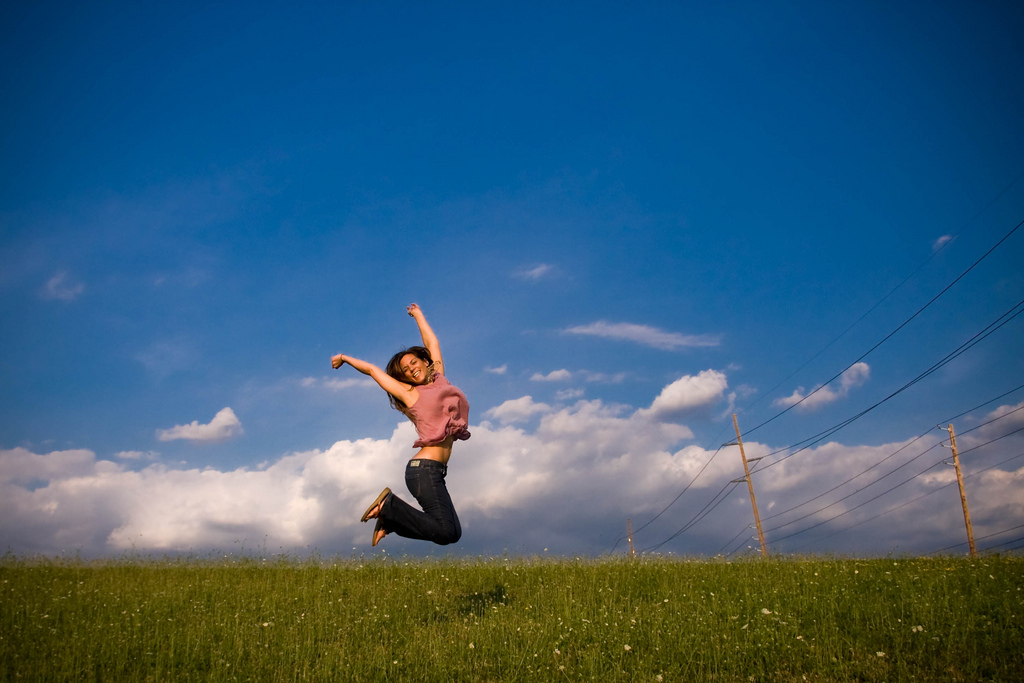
(417, 387)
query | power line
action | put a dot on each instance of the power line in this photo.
(995, 419)
(704, 512)
(874, 517)
(713, 504)
(928, 260)
(1012, 540)
(665, 509)
(733, 539)
(963, 348)
(861, 473)
(850, 495)
(974, 448)
(870, 500)
(982, 538)
(891, 334)
(902, 505)
(891, 455)
(905, 481)
(991, 400)
(831, 431)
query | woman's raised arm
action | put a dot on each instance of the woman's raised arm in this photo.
(429, 338)
(405, 393)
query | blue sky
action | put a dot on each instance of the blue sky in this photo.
(624, 223)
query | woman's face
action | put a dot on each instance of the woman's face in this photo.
(415, 369)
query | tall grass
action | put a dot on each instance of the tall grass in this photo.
(513, 619)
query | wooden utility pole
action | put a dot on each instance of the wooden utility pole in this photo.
(750, 487)
(629, 533)
(963, 493)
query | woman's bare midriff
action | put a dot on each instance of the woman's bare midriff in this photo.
(440, 453)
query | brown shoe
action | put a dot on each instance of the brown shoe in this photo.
(380, 501)
(378, 532)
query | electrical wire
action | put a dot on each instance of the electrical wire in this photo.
(870, 500)
(891, 334)
(665, 509)
(963, 348)
(1019, 539)
(704, 512)
(934, 253)
(850, 495)
(733, 539)
(894, 453)
(902, 505)
(980, 538)
(856, 476)
(846, 423)
(905, 481)
(992, 441)
(618, 540)
(991, 400)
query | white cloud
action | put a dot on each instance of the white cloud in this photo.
(224, 425)
(644, 334)
(501, 370)
(568, 485)
(137, 455)
(553, 376)
(337, 384)
(589, 376)
(568, 394)
(994, 425)
(854, 377)
(941, 242)
(535, 273)
(62, 287)
(688, 394)
(517, 410)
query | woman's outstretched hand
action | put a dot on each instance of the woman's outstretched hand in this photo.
(338, 361)
(413, 309)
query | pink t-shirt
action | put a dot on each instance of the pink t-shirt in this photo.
(441, 411)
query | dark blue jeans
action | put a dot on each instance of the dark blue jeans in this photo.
(437, 521)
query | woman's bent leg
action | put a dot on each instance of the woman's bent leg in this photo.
(438, 521)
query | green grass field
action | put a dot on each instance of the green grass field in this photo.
(502, 619)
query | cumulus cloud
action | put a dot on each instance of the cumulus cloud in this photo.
(517, 410)
(644, 334)
(566, 484)
(62, 287)
(854, 377)
(224, 425)
(553, 376)
(535, 273)
(137, 455)
(687, 395)
(997, 425)
(500, 370)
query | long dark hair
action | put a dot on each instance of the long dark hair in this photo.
(394, 369)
